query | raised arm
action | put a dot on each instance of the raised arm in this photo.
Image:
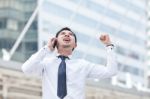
(99, 71)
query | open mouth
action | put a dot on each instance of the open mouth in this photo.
(66, 39)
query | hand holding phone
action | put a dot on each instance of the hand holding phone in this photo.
(52, 43)
(55, 43)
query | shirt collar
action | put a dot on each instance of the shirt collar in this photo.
(57, 54)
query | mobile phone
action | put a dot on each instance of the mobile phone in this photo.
(55, 44)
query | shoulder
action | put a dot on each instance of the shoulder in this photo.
(49, 58)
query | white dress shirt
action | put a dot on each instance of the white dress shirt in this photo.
(45, 64)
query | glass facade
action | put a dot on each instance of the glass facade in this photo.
(124, 21)
(89, 18)
(14, 15)
(147, 68)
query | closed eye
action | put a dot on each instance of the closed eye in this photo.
(71, 34)
(62, 33)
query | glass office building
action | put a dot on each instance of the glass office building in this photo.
(123, 20)
(148, 44)
(14, 14)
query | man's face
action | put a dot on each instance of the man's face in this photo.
(66, 39)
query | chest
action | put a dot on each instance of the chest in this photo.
(74, 69)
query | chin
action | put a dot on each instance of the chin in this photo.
(67, 45)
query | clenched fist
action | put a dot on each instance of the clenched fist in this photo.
(105, 39)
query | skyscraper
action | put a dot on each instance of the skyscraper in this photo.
(147, 72)
(14, 14)
(124, 21)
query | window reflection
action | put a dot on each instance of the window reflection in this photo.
(133, 70)
(3, 23)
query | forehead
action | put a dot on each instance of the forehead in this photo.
(66, 31)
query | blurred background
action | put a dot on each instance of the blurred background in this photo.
(26, 25)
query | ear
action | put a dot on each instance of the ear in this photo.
(75, 45)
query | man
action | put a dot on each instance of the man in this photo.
(62, 76)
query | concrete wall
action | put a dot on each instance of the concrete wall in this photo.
(102, 93)
(14, 85)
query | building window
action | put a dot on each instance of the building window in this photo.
(34, 25)
(12, 24)
(3, 23)
(31, 46)
(131, 69)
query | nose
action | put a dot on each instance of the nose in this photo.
(66, 35)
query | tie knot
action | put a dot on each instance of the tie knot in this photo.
(63, 57)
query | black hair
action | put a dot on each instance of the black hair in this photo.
(66, 28)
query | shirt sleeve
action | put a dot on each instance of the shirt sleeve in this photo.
(100, 71)
(34, 65)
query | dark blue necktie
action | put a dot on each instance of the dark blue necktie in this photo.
(62, 85)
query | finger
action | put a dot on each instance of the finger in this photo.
(107, 37)
(52, 39)
(103, 38)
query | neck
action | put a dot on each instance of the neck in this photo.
(65, 51)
